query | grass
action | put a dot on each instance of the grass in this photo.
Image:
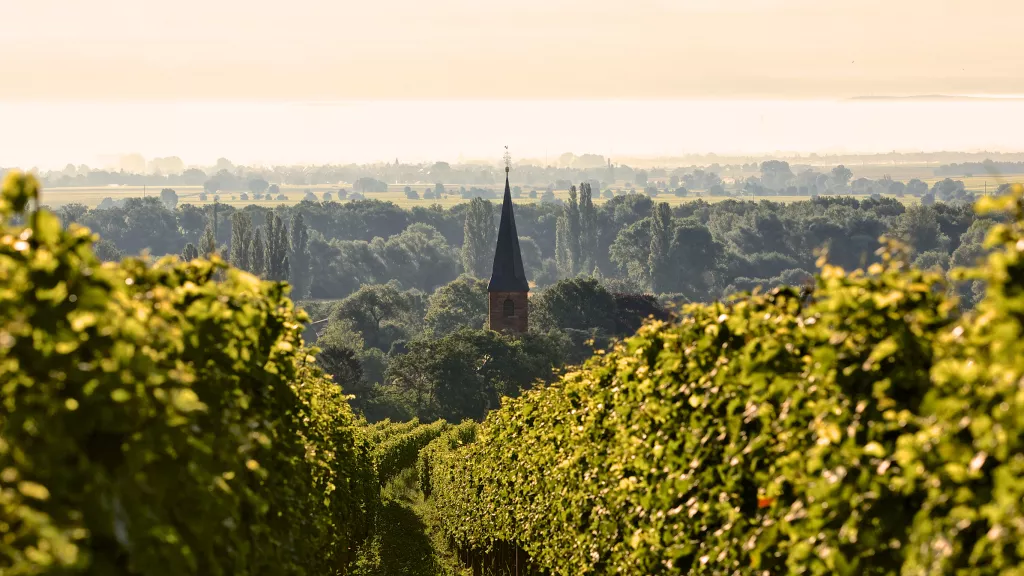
(406, 541)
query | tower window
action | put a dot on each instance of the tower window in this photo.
(510, 308)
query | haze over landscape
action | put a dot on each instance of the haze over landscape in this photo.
(56, 133)
(314, 82)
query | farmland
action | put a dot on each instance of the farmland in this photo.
(92, 196)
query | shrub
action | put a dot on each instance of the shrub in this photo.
(163, 418)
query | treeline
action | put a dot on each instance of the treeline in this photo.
(227, 177)
(699, 250)
(984, 168)
(865, 427)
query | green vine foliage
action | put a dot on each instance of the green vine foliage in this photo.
(453, 438)
(864, 428)
(399, 451)
(163, 418)
(382, 431)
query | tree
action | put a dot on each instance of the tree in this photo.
(562, 253)
(588, 229)
(949, 190)
(464, 374)
(775, 174)
(193, 177)
(567, 238)
(919, 227)
(137, 224)
(208, 243)
(460, 303)
(661, 238)
(298, 258)
(342, 363)
(632, 310)
(107, 251)
(419, 257)
(970, 253)
(257, 253)
(693, 258)
(841, 175)
(275, 259)
(575, 303)
(241, 239)
(169, 197)
(369, 184)
(274, 189)
(259, 186)
(479, 238)
(190, 252)
(70, 213)
(378, 312)
(631, 250)
(192, 220)
(916, 187)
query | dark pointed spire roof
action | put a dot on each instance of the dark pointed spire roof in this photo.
(508, 274)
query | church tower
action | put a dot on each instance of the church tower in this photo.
(508, 304)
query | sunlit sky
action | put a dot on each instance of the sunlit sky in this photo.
(86, 74)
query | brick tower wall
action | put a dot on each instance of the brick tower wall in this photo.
(496, 319)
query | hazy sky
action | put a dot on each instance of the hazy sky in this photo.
(343, 80)
(538, 49)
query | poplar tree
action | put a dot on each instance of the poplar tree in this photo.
(241, 238)
(257, 253)
(298, 258)
(208, 243)
(276, 253)
(562, 256)
(588, 229)
(190, 252)
(567, 238)
(480, 238)
(661, 238)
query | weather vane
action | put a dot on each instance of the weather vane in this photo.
(508, 160)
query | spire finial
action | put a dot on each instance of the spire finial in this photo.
(508, 160)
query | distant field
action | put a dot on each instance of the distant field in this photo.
(981, 184)
(93, 196)
(190, 194)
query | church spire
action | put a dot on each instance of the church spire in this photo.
(508, 274)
